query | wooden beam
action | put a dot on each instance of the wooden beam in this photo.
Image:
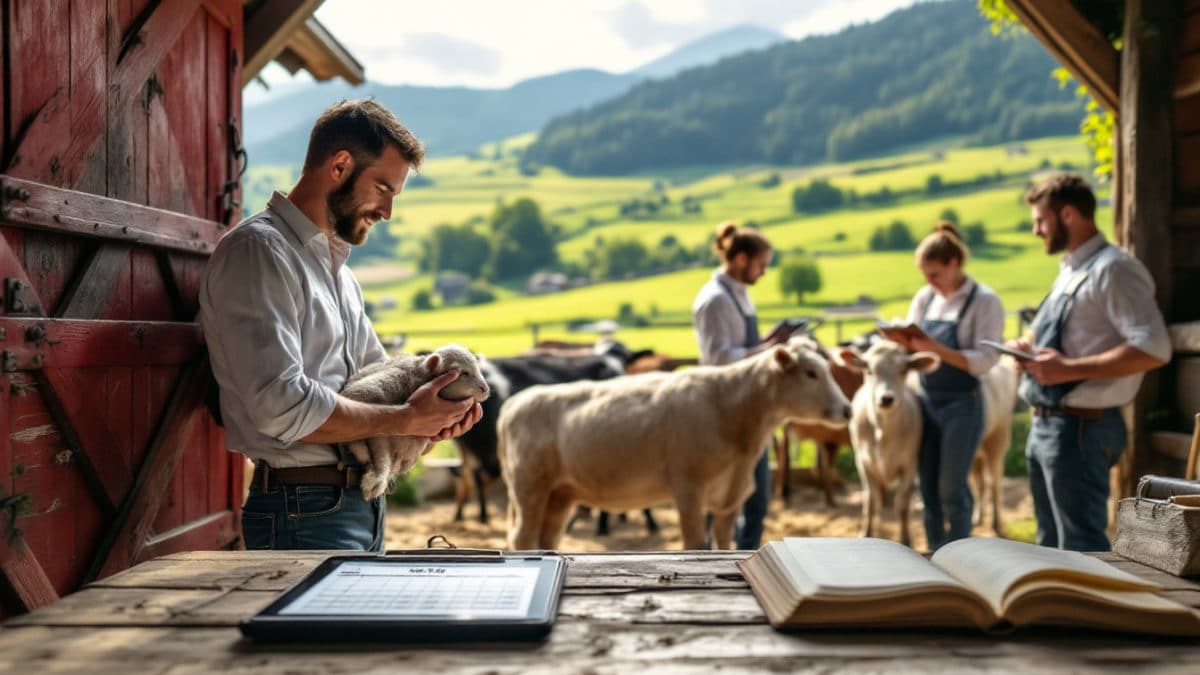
(268, 29)
(1076, 43)
(28, 585)
(127, 535)
(315, 49)
(67, 343)
(40, 153)
(12, 267)
(1147, 181)
(36, 205)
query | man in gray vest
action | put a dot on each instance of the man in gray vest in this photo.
(1095, 334)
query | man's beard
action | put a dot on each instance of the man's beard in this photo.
(344, 212)
(1057, 242)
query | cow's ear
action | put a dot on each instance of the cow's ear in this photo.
(925, 362)
(850, 358)
(785, 359)
(431, 362)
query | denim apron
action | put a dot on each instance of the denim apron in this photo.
(748, 535)
(952, 409)
(1047, 329)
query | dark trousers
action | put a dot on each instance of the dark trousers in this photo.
(750, 526)
(1069, 460)
(312, 517)
(953, 426)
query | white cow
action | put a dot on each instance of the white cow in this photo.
(691, 436)
(886, 425)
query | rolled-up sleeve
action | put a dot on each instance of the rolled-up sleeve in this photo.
(986, 324)
(1128, 292)
(251, 318)
(716, 334)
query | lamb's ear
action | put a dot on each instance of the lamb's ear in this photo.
(925, 362)
(785, 359)
(850, 358)
(431, 362)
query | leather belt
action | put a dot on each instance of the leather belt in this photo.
(1068, 411)
(337, 475)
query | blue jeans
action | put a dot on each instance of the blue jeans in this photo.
(750, 526)
(1069, 460)
(953, 426)
(312, 517)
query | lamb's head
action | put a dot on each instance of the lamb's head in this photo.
(885, 366)
(470, 382)
(804, 385)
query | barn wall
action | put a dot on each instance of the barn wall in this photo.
(1186, 225)
(128, 103)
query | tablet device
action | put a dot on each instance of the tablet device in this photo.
(907, 330)
(795, 325)
(409, 598)
(1015, 353)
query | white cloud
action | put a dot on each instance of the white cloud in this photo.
(483, 43)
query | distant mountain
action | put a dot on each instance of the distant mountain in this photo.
(710, 49)
(453, 120)
(929, 71)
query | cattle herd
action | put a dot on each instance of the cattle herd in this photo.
(571, 426)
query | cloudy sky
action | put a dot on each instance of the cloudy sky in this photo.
(485, 43)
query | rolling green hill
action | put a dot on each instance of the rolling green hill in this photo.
(925, 72)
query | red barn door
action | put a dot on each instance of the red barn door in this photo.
(120, 131)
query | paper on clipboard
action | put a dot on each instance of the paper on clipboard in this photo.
(423, 589)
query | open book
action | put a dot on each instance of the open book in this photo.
(993, 584)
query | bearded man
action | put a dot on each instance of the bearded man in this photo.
(285, 325)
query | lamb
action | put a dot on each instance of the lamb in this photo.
(391, 382)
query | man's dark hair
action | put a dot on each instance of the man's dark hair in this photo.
(1062, 190)
(361, 127)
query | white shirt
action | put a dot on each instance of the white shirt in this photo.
(285, 326)
(984, 320)
(720, 329)
(1114, 305)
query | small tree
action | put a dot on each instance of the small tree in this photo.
(950, 215)
(798, 276)
(934, 184)
(422, 300)
(975, 235)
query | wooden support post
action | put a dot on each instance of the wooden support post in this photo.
(1147, 183)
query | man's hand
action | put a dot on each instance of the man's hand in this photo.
(460, 427)
(1020, 344)
(428, 415)
(923, 343)
(1050, 367)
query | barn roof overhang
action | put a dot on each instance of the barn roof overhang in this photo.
(286, 31)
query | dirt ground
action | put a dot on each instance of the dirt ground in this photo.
(806, 515)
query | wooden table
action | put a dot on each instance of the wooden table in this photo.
(621, 613)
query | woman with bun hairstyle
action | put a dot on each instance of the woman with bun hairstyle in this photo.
(727, 330)
(955, 312)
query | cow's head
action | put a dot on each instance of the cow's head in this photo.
(885, 367)
(804, 385)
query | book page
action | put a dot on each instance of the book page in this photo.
(835, 566)
(996, 568)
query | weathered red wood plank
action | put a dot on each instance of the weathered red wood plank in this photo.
(96, 278)
(89, 74)
(75, 344)
(216, 530)
(49, 259)
(127, 133)
(150, 299)
(125, 538)
(180, 153)
(39, 55)
(70, 395)
(40, 154)
(79, 213)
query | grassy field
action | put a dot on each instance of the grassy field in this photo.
(466, 189)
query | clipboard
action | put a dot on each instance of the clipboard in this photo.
(426, 596)
(902, 330)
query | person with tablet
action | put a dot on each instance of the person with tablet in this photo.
(727, 330)
(955, 314)
(284, 322)
(1094, 336)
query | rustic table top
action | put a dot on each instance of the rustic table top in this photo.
(620, 613)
